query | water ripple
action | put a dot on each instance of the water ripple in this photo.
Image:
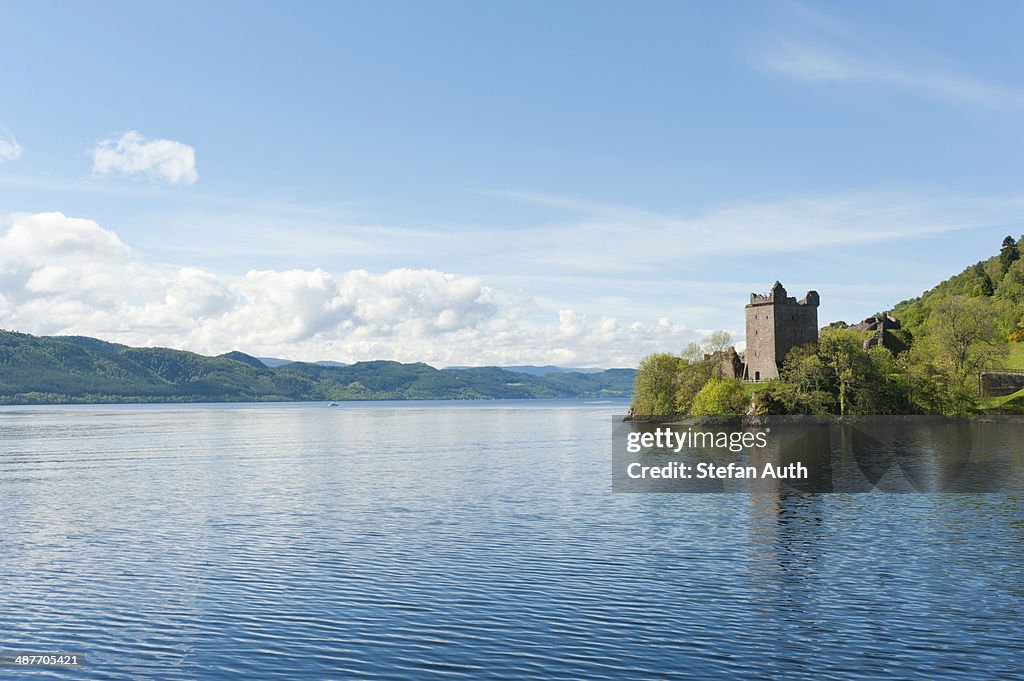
(462, 541)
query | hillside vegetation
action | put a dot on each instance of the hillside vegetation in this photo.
(75, 369)
(996, 283)
(968, 323)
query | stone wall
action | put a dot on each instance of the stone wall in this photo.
(730, 365)
(999, 383)
(883, 325)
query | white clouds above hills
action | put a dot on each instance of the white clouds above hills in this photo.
(65, 275)
(132, 154)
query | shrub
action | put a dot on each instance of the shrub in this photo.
(720, 397)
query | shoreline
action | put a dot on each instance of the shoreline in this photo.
(325, 403)
(753, 421)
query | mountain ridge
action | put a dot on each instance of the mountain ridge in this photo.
(81, 369)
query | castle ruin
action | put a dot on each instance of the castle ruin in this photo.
(776, 324)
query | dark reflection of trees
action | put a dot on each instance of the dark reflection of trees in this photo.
(929, 454)
(785, 532)
(787, 537)
(786, 522)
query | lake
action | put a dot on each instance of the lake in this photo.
(469, 540)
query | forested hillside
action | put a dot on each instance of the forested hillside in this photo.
(996, 283)
(69, 369)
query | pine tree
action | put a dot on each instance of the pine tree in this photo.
(987, 289)
(1009, 253)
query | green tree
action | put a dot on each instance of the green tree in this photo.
(806, 386)
(1011, 288)
(804, 368)
(881, 388)
(720, 397)
(693, 352)
(654, 388)
(719, 341)
(931, 384)
(966, 331)
(987, 288)
(693, 375)
(1009, 253)
(964, 338)
(842, 352)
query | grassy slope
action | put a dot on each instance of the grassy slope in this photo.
(1012, 403)
(1015, 360)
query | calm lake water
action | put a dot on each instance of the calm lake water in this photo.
(469, 540)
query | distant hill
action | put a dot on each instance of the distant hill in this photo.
(244, 358)
(535, 370)
(278, 362)
(77, 369)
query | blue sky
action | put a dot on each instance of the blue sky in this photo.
(466, 183)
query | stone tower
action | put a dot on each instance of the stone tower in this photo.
(775, 325)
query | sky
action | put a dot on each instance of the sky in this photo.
(472, 183)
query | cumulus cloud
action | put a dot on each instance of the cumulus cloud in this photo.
(10, 150)
(37, 238)
(132, 154)
(67, 275)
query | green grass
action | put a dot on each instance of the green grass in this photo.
(997, 402)
(1015, 360)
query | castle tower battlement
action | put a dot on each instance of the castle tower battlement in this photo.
(777, 323)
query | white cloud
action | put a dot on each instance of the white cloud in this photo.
(829, 52)
(611, 243)
(602, 237)
(64, 275)
(830, 64)
(10, 150)
(35, 238)
(132, 154)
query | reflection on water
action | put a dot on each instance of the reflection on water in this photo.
(470, 540)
